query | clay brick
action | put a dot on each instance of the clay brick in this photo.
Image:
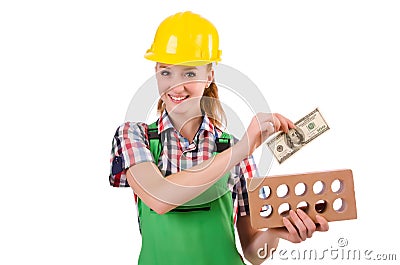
(328, 193)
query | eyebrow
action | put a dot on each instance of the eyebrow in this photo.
(190, 68)
(184, 69)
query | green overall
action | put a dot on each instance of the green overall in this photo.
(198, 234)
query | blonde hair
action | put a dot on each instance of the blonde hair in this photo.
(209, 103)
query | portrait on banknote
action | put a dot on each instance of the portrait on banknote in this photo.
(294, 139)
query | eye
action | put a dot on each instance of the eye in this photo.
(190, 74)
(164, 73)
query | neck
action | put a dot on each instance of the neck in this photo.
(187, 123)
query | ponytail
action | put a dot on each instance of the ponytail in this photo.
(211, 105)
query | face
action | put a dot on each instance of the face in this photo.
(181, 87)
(294, 137)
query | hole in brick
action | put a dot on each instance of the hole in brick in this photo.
(264, 192)
(319, 187)
(266, 211)
(337, 186)
(282, 190)
(339, 205)
(300, 189)
(303, 205)
(320, 206)
(284, 209)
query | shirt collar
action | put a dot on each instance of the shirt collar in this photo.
(164, 123)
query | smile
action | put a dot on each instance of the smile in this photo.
(176, 99)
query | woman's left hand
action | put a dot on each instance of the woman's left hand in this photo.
(300, 226)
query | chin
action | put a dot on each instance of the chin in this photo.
(184, 109)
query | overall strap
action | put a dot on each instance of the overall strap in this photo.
(154, 141)
(223, 142)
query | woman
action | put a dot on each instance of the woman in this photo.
(188, 176)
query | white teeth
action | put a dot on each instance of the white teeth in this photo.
(177, 98)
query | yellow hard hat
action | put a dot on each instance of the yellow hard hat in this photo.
(186, 39)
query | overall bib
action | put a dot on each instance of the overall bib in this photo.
(198, 234)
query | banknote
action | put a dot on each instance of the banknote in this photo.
(284, 145)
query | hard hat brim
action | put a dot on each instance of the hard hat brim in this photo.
(173, 60)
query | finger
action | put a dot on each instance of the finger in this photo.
(290, 124)
(267, 128)
(284, 122)
(279, 122)
(276, 121)
(269, 119)
(287, 122)
(323, 223)
(301, 228)
(292, 236)
(266, 123)
(270, 127)
(308, 222)
(284, 126)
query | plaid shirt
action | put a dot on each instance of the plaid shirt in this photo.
(131, 146)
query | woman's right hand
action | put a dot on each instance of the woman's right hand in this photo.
(261, 127)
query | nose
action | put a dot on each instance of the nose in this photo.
(177, 84)
(171, 87)
(177, 88)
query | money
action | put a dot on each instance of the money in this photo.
(284, 145)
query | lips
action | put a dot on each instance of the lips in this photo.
(177, 99)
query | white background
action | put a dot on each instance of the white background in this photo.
(68, 70)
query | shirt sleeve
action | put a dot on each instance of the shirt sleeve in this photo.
(129, 147)
(246, 169)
